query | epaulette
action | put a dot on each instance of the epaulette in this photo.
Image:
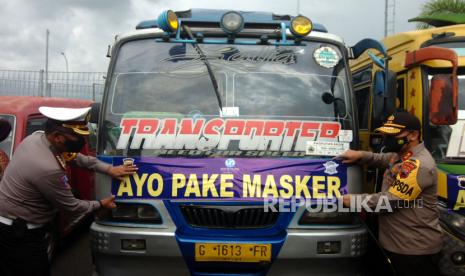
(60, 160)
(407, 155)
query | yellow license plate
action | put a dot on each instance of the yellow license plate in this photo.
(232, 252)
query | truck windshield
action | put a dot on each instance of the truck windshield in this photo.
(7, 145)
(161, 84)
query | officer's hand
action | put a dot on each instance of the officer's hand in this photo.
(108, 203)
(350, 156)
(120, 171)
(346, 200)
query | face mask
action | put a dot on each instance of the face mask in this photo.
(75, 146)
(393, 144)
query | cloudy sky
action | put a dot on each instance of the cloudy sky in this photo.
(82, 29)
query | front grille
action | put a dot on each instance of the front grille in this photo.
(230, 217)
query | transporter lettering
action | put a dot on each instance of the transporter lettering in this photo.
(273, 135)
(225, 185)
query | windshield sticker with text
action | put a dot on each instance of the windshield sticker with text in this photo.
(246, 135)
(326, 57)
(232, 54)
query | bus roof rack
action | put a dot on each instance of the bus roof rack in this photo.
(211, 17)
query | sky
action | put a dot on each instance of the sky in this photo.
(83, 29)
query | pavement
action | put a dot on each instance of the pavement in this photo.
(74, 257)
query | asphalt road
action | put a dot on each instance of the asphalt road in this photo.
(74, 257)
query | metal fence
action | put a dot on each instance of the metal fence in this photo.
(82, 85)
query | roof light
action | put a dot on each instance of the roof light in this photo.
(232, 22)
(301, 26)
(168, 21)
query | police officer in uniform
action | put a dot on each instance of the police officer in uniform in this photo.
(410, 235)
(34, 186)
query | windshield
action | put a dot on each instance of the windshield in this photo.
(462, 93)
(457, 46)
(7, 145)
(162, 88)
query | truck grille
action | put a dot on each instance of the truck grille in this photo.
(231, 217)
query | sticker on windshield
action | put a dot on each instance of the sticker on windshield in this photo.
(224, 134)
(326, 57)
(230, 111)
(326, 148)
(346, 135)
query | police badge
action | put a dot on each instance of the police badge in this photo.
(331, 167)
(461, 181)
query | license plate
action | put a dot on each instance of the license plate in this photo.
(232, 252)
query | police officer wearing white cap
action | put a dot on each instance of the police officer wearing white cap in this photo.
(34, 186)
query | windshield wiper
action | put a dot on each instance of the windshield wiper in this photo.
(207, 64)
(339, 110)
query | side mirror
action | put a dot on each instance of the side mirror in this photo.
(391, 94)
(327, 98)
(442, 102)
(443, 93)
(94, 113)
(339, 104)
(384, 101)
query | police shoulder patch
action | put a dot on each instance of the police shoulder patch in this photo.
(407, 167)
(64, 181)
(406, 186)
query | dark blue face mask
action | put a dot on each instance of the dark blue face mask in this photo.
(75, 146)
(393, 144)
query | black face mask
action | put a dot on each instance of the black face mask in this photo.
(75, 146)
(393, 144)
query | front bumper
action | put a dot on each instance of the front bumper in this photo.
(452, 246)
(299, 254)
(163, 255)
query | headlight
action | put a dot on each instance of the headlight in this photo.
(329, 218)
(232, 22)
(301, 26)
(132, 213)
(168, 21)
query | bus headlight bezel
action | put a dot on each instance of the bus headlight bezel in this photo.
(232, 22)
(301, 26)
(333, 219)
(168, 21)
(126, 212)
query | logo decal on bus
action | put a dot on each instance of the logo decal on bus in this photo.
(230, 163)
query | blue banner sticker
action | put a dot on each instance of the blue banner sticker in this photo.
(456, 192)
(231, 178)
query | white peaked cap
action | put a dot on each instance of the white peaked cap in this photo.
(65, 114)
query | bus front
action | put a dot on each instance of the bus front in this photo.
(234, 134)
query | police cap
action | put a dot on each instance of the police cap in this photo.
(71, 119)
(398, 122)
